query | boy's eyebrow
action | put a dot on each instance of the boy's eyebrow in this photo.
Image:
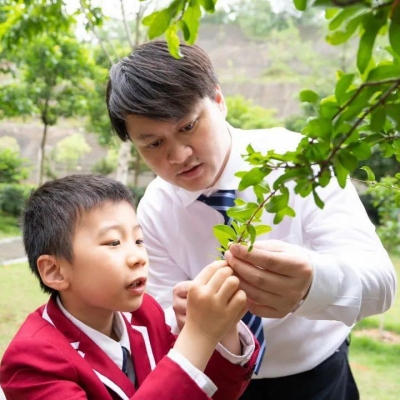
(107, 228)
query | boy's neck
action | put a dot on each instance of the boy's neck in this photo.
(103, 321)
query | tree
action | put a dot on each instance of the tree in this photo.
(244, 115)
(53, 80)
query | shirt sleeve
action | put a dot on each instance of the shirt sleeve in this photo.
(248, 346)
(202, 380)
(353, 274)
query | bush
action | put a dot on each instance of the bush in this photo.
(137, 193)
(12, 169)
(13, 198)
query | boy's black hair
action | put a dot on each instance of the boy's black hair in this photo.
(153, 84)
(53, 211)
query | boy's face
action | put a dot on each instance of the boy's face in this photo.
(190, 153)
(109, 269)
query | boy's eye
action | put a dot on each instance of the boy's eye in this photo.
(139, 242)
(114, 243)
(154, 145)
(189, 127)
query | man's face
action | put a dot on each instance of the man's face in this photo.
(190, 153)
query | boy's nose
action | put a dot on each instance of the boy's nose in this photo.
(179, 153)
(137, 259)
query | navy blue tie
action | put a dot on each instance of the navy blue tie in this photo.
(127, 365)
(221, 201)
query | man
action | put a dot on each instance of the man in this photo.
(318, 273)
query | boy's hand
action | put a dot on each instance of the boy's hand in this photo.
(214, 301)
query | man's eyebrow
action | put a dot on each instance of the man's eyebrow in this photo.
(145, 136)
(110, 227)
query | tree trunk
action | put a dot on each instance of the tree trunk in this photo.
(137, 169)
(41, 155)
(124, 155)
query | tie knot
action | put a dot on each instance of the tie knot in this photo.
(220, 201)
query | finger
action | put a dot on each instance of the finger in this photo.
(181, 289)
(205, 275)
(229, 287)
(279, 263)
(220, 276)
(272, 245)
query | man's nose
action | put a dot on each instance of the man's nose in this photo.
(179, 153)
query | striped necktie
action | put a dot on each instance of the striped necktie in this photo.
(221, 201)
(127, 365)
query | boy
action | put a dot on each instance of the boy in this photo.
(318, 273)
(100, 336)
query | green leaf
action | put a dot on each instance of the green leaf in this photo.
(185, 30)
(325, 178)
(361, 150)
(159, 24)
(318, 128)
(251, 178)
(339, 37)
(392, 111)
(309, 96)
(341, 173)
(262, 229)
(347, 160)
(394, 30)
(383, 71)
(278, 202)
(378, 119)
(208, 5)
(331, 12)
(370, 174)
(252, 233)
(303, 188)
(244, 212)
(372, 25)
(341, 87)
(318, 200)
(301, 5)
(173, 41)
(342, 16)
(225, 231)
(191, 18)
(287, 211)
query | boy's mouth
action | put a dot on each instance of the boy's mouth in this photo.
(137, 283)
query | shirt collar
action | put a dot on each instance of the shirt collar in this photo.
(108, 345)
(227, 180)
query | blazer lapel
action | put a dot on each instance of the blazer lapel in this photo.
(142, 353)
(106, 370)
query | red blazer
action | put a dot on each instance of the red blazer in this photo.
(51, 359)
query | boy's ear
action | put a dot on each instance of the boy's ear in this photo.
(52, 273)
(220, 100)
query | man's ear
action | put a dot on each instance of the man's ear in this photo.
(52, 272)
(220, 100)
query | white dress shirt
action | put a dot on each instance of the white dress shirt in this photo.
(113, 348)
(353, 275)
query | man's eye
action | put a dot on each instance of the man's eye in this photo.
(189, 127)
(154, 145)
(114, 243)
(139, 242)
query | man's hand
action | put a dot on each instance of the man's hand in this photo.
(179, 302)
(275, 275)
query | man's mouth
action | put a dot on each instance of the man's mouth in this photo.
(189, 170)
